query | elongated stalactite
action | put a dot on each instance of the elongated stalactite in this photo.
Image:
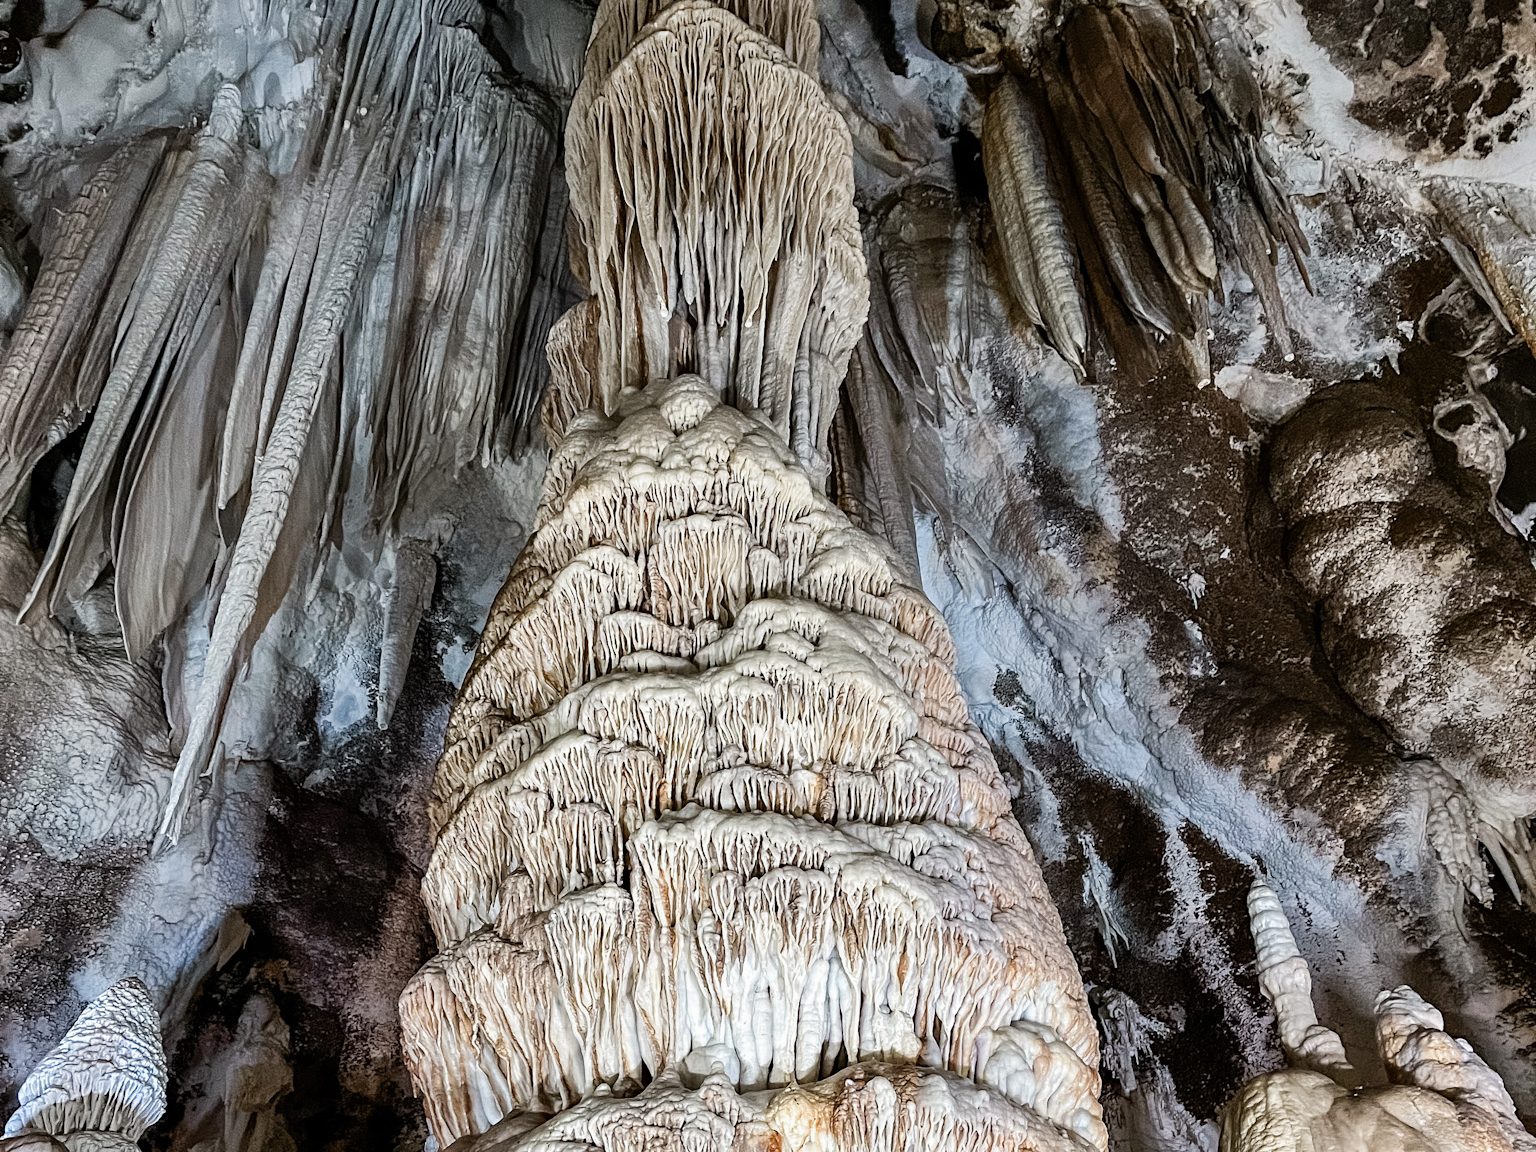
(291, 330)
(720, 860)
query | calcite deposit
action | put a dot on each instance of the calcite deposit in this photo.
(712, 811)
(981, 481)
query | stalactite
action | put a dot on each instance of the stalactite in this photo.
(191, 238)
(1036, 248)
(1155, 175)
(281, 336)
(712, 816)
(752, 276)
(1496, 227)
(45, 351)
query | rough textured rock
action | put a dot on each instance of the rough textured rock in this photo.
(1429, 614)
(1172, 704)
(104, 1084)
(1444, 79)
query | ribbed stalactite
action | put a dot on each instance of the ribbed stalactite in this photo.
(712, 200)
(712, 817)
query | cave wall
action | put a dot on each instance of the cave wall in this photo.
(1113, 551)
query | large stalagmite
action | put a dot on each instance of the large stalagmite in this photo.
(712, 818)
(102, 1086)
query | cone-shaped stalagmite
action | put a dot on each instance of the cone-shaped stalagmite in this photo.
(712, 818)
(102, 1086)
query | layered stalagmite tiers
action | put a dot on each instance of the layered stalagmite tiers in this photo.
(711, 800)
(712, 816)
(101, 1087)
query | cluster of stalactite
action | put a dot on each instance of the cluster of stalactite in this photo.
(1126, 170)
(1129, 188)
(712, 818)
(297, 320)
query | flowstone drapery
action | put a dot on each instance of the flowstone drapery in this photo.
(102, 1086)
(280, 336)
(712, 818)
(1428, 611)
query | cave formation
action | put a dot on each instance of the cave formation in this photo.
(767, 574)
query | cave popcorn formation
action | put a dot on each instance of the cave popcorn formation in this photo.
(712, 817)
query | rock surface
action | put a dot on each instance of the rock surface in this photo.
(1182, 617)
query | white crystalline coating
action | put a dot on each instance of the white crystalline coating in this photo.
(1443, 1098)
(104, 1080)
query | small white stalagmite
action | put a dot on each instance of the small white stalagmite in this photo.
(1287, 984)
(1442, 1098)
(712, 819)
